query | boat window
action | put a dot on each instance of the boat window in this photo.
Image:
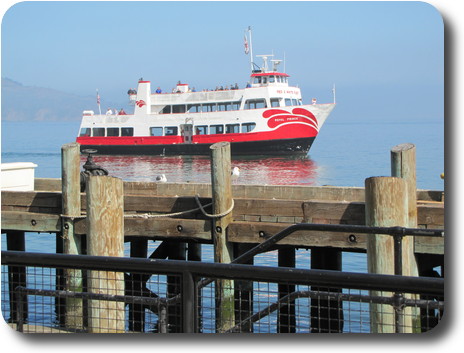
(264, 80)
(98, 131)
(194, 108)
(255, 104)
(156, 131)
(232, 128)
(85, 131)
(288, 102)
(208, 108)
(271, 79)
(127, 131)
(279, 79)
(216, 129)
(170, 131)
(112, 131)
(166, 110)
(180, 108)
(294, 101)
(201, 129)
(300, 102)
(275, 102)
(236, 105)
(247, 127)
(258, 79)
(222, 107)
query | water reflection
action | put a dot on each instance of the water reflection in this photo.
(300, 170)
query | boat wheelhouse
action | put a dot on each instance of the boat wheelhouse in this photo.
(266, 117)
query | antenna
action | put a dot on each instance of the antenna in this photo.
(265, 68)
(275, 63)
(333, 91)
(285, 61)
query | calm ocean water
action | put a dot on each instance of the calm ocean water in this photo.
(344, 154)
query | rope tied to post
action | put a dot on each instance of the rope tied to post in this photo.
(173, 214)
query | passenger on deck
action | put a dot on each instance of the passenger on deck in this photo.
(122, 112)
(109, 111)
(158, 90)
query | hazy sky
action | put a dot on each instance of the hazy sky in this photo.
(385, 58)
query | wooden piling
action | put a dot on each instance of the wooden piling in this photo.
(105, 227)
(386, 206)
(403, 165)
(71, 207)
(223, 250)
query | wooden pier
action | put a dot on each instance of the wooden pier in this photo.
(177, 213)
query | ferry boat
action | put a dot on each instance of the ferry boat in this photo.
(267, 117)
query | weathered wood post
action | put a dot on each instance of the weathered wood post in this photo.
(105, 232)
(223, 251)
(403, 165)
(71, 207)
(386, 206)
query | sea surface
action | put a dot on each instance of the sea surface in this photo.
(344, 154)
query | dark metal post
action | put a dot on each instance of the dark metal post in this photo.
(20, 309)
(286, 317)
(326, 314)
(137, 311)
(16, 241)
(177, 251)
(189, 303)
(399, 308)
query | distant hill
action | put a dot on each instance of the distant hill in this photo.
(27, 103)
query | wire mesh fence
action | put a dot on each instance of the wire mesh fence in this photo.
(52, 294)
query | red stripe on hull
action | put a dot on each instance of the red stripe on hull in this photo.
(288, 131)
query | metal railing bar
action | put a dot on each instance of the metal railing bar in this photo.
(420, 285)
(357, 298)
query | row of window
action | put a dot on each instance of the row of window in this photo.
(110, 131)
(169, 130)
(270, 79)
(227, 106)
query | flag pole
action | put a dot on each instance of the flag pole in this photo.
(251, 49)
(98, 102)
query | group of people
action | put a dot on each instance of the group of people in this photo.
(176, 89)
(116, 112)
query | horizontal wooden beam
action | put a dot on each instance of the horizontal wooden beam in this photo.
(430, 214)
(286, 192)
(200, 230)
